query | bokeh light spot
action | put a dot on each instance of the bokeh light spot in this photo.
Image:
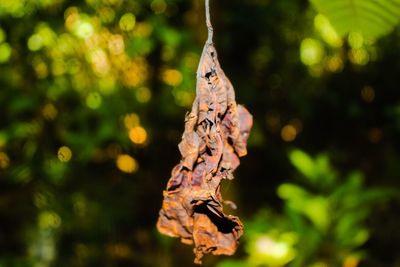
(131, 120)
(172, 77)
(40, 200)
(334, 64)
(116, 44)
(64, 154)
(49, 111)
(143, 94)
(100, 63)
(356, 40)
(107, 14)
(40, 67)
(58, 68)
(311, 51)
(158, 6)
(138, 135)
(368, 94)
(84, 29)
(327, 32)
(4, 160)
(71, 16)
(49, 219)
(5, 52)
(35, 42)
(126, 163)
(288, 133)
(359, 56)
(135, 72)
(94, 100)
(127, 22)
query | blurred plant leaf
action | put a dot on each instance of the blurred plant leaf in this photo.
(349, 188)
(314, 207)
(293, 192)
(348, 227)
(369, 17)
(317, 171)
(303, 163)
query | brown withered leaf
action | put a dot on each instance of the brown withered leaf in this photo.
(215, 136)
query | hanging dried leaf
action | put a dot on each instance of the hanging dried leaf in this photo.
(215, 136)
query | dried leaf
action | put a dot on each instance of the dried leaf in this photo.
(215, 136)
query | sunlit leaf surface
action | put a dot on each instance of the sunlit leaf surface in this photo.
(372, 18)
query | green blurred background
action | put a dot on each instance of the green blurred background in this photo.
(92, 101)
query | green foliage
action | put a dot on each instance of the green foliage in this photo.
(322, 223)
(368, 17)
(316, 171)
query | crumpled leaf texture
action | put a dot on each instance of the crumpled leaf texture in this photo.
(215, 136)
